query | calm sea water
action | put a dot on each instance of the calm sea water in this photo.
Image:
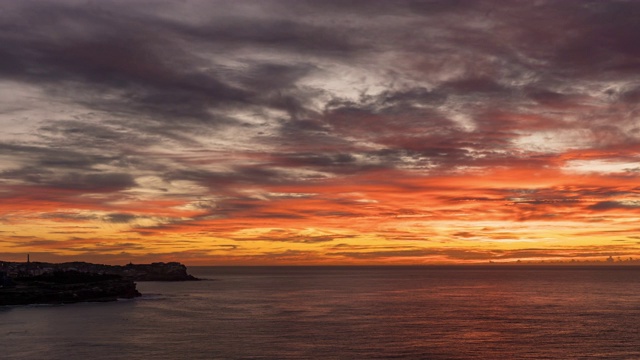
(346, 313)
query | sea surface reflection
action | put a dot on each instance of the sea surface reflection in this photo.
(347, 313)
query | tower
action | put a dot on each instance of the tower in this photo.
(28, 259)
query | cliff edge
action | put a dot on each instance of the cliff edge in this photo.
(48, 283)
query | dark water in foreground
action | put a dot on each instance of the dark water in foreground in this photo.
(346, 313)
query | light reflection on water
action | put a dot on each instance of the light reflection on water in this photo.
(346, 313)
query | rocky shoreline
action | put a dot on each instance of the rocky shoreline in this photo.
(47, 283)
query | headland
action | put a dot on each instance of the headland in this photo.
(23, 283)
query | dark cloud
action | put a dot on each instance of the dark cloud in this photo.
(266, 173)
(82, 182)
(631, 96)
(319, 160)
(611, 205)
(607, 43)
(120, 218)
(368, 8)
(47, 158)
(269, 34)
(146, 74)
(474, 86)
(87, 135)
(119, 53)
(148, 66)
(68, 216)
(234, 102)
(68, 168)
(94, 182)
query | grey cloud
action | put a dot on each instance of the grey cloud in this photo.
(552, 98)
(369, 8)
(83, 133)
(67, 216)
(411, 97)
(42, 155)
(631, 96)
(150, 80)
(255, 174)
(610, 205)
(474, 86)
(271, 34)
(89, 182)
(148, 64)
(144, 64)
(575, 38)
(95, 182)
(609, 40)
(317, 160)
(67, 167)
(120, 218)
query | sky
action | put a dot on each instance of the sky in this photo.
(319, 132)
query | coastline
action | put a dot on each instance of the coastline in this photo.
(48, 283)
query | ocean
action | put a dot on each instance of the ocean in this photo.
(347, 313)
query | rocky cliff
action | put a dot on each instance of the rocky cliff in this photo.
(159, 271)
(48, 283)
(172, 271)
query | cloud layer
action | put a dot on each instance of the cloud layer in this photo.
(319, 132)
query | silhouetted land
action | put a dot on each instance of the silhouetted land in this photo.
(48, 283)
(62, 287)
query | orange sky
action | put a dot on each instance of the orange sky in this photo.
(271, 132)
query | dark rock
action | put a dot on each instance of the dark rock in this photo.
(63, 287)
(46, 283)
(172, 271)
(159, 271)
